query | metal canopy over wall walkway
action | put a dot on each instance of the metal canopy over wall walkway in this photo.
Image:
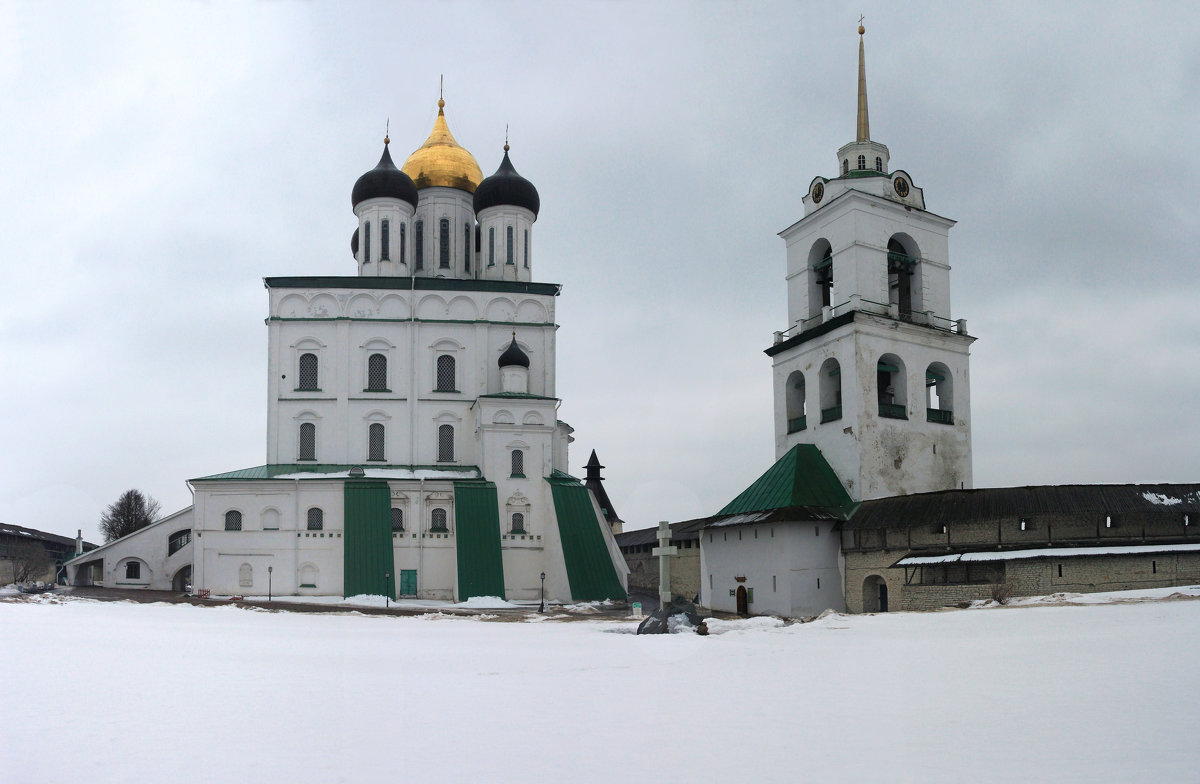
(590, 569)
(477, 519)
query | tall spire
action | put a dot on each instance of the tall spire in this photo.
(864, 125)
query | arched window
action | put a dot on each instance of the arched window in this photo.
(902, 267)
(862, 162)
(518, 523)
(133, 570)
(419, 244)
(526, 249)
(367, 242)
(830, 381)
(308, 441)
(939, 394)
(437, 520)
(466, 248)
(375, 441)
(794, 393)
(309, 572)
(445, 444)
(316, 519)
(891, 387)
(233, 520)
(878, 164)
(845, 166)
(491, 246)
(509, 239)
(518, 462)
(445, 373)
(178, 540)
(308, 373)
(377, 373)
(246, 576)
(385, 251)
(397, 519)
(820, 294)
(403, 243)
(444, 242)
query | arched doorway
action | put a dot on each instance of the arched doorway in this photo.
(743, 605)
(182, 579)
(875, 594)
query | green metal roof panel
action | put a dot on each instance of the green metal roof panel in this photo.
(368, 563)
(477, 522)
(802, 477)
(590, 569)
(421, 284)
(338, 471)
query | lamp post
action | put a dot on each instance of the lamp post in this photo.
(542, 609)
(269, 570)
(387, 595)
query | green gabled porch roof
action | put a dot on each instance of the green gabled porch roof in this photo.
(339, 471)
(802, 477)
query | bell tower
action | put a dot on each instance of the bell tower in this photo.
(873, 370)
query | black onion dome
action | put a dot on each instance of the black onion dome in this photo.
(513, 355)
(385, 181)
(354, 242)
(507, 187)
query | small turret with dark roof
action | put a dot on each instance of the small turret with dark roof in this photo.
(385, 181)
(513, 356)
(507, 187)
(594, 482)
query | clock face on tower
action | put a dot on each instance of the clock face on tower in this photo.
(901, 186)
(818, 192)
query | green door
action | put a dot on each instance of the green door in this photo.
(408, 582)
(367, 556)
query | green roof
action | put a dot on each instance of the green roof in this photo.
(590, 570)
(802, 477)
(421, 284)
(275, 470)
(480, 561)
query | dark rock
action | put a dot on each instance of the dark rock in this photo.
(657, 622)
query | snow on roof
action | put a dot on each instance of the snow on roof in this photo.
(384, 473)
(1050, 552)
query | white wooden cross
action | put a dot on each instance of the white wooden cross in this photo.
(664, 551)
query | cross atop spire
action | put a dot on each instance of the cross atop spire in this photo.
(864, 125)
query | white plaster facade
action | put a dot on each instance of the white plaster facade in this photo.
(157, 557)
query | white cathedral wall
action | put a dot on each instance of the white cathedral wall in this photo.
(493, 260)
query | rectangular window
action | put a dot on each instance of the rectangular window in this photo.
(384, 237)
(818, 583)
(133, 570)
(1060, 570)
(526, 249)
(492, 246)
(444, 241)
(419, 244)
(773, 584)
(367, 242)
(817, 530)
(518, 462)
(509, 256)
(1154, 567)
(467, 248)
(403, 237)
(308, 441)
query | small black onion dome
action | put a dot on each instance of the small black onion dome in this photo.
(507, 187)
(513, 355)
(385, 181)
(354, 242)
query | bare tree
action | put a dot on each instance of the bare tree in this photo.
(131, 512)
(30, 561)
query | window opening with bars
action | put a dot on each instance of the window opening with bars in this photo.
(444, 241)
(377, 373)
(133, 570)
(445, 443)
(384, 239)
(518, 462)
(308, 441)
(233, 521)
(316, 519)
(518, 523)
(437, 520)
(308, 373)
(375, 435)
(445, 373)
(397, 519)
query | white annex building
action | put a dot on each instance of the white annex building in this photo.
(412, 441)
(872, 390)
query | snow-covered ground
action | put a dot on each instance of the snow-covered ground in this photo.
(124, 692)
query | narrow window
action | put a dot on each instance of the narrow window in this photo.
(1060, 570)
(772, 583)
(1108, 521)
(845, 166)
(817, 530)
(710, 580)
(403, 243)
(308, 441)
(437, 520)
(878, 164)
(526, 249)
(818, 583)
(444, 241)
(1154, 567)
(862, 162)
(233, 520)
(375, 441)
(467, 248)
(518, 462)
(308, 373)
(445, 373)
(316, 519)
(385, 233)
(518, 523)
(1024, 524)
(377, 373)
(367, 242)
(509, 240)
(246, 576)
(133, 570)
(492, 246)
(445, 443)
(419, 244)
(397, 519)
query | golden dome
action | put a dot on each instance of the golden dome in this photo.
(440, 161)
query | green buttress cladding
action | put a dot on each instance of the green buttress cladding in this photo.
(368, 566)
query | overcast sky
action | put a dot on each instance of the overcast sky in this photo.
(160, 159)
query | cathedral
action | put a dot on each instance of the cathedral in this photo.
(413, 448)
